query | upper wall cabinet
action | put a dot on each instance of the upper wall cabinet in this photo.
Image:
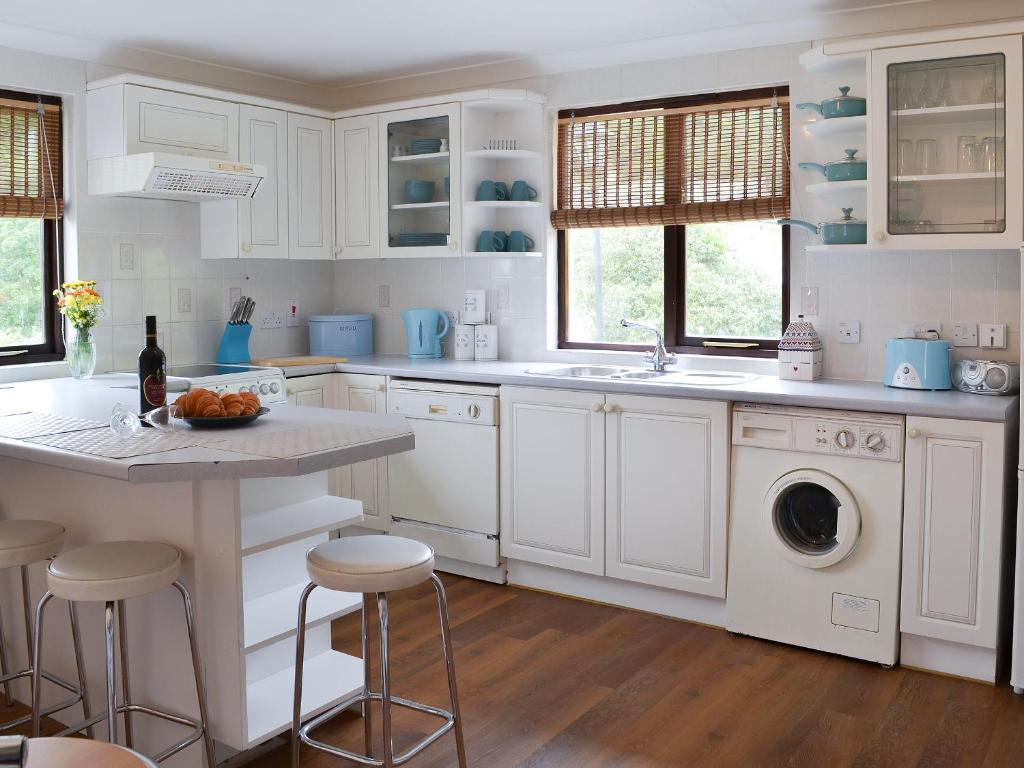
(310, 195)
(256, 228)
(125, 119)
(420, 181)
(946, 145)
(357, 214)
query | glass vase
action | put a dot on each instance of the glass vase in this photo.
(81, 353)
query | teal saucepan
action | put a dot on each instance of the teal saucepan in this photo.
(843, 105)
(844, 231)
(850, 168)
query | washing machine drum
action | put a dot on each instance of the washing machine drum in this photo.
(812, 518)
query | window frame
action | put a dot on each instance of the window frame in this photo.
(52, 347)
(676, 339)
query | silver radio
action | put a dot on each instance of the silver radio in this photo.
(986, 377)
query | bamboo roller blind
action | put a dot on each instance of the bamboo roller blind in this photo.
(704, 163)
(25, 184)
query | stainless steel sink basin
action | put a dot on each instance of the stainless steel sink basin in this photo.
(581, 371)
(709, 378)
(641, 375)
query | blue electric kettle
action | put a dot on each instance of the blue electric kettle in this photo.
(424, 329)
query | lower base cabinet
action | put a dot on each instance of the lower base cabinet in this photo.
(625, 486)
(366, 481)
(953, 522)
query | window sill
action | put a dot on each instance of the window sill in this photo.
(759, 365)
(29, 371)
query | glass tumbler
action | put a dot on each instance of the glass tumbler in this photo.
(927, 157)
(991, 154)
(904, 157)
(967, 154)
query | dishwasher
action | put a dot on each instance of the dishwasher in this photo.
(445, 491)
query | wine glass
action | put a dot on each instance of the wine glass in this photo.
(125, 422)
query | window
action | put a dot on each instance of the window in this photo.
(31, 215)
(666, 215)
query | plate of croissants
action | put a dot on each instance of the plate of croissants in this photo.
(203, 408)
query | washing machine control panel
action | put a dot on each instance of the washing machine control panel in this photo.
(868, 441)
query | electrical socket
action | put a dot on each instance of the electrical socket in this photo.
(965, 334)
(383, 296)
(271, 319)
(849, 332)
(293, 314)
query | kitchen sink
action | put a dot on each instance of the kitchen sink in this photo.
(709, 378)
(641, 375)
(581, 371)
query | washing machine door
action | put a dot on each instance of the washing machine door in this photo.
(812, 518)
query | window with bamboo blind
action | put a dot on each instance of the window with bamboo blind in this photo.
(665, 213)
(701, 162)
(31, 217)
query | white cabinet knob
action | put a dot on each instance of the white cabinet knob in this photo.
(609, 408)
(597, 407)
(382, 388)
(246, 247)
(913, 433)
(879, 235)
(452, 245)
(337, 249)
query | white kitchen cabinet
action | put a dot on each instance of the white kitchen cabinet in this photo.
(126, 119)
(311, 391)
(366, 481)
(953, 530)
(356, 185)
(666, 480)
(257, 228)
(310, 185)
(552, 477)
(404, 221)
(926, 101)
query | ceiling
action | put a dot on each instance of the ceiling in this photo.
(335, 43)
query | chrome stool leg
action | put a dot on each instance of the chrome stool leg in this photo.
(76, 641)
(108, 624)
(197, 668)
(385, 679)
(367, 723)
(300, 647)
(3, 667)
(37, 666)
(449, 662)
(126, 686)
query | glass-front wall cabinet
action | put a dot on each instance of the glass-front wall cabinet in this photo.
(947, 119)
(420, 176)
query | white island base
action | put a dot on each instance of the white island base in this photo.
(243, 542)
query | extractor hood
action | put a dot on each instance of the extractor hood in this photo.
(174, 177)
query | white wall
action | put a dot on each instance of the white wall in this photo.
(884, 291)
(164, 239)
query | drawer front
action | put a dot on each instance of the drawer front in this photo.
(164, 121)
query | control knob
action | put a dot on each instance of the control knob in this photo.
(275, 387)
(474, 411)
(875, 442)
(845, 439)
(242, 389)
(264, 389)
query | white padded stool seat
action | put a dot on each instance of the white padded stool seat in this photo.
(370, 563)
(113, 570)
(23, 542)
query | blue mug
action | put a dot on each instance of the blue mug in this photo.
(490, 241)
(519, 241)
(522, 191)
(490, 190)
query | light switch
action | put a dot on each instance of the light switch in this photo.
(993, 336)
(292, 319)
(849, 331)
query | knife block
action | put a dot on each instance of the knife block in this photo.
(234, 344)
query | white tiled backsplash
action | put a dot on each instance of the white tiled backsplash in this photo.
(515, 297)
(145, 255)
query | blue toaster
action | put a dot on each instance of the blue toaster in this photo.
(917, 364)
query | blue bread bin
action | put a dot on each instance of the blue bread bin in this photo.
(341, 335)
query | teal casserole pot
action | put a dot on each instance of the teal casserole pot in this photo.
(843, 105)
(850, 168)
(844, 231)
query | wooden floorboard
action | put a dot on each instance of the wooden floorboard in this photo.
(548, 681)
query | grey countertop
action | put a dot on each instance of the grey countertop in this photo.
(94, 399)
(825, 393)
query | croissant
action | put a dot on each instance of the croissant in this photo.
(209, 405)
(250, 403)
(190, 399)
(233, 404)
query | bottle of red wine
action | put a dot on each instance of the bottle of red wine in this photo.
(152, 371)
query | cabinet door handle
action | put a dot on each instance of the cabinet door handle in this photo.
(610, 408)
(913, 433)
(597, 407)
(246, 247)
(879, 235)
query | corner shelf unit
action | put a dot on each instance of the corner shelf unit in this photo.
(830, 188)
(837, 126)
(430, 157)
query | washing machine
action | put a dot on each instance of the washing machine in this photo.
(816, 519)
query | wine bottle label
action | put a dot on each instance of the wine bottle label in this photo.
(154, 389)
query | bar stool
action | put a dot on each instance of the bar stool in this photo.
(75, 753)
(111, 572)
(22, 543)
(378, 565)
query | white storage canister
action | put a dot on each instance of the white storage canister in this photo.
(341, 335)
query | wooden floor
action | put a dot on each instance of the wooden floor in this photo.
(548, 681)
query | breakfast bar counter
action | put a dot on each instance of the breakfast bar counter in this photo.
(243, 505)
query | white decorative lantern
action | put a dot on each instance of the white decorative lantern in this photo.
(800, 352)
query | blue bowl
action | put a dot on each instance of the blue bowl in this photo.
(419, 191)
